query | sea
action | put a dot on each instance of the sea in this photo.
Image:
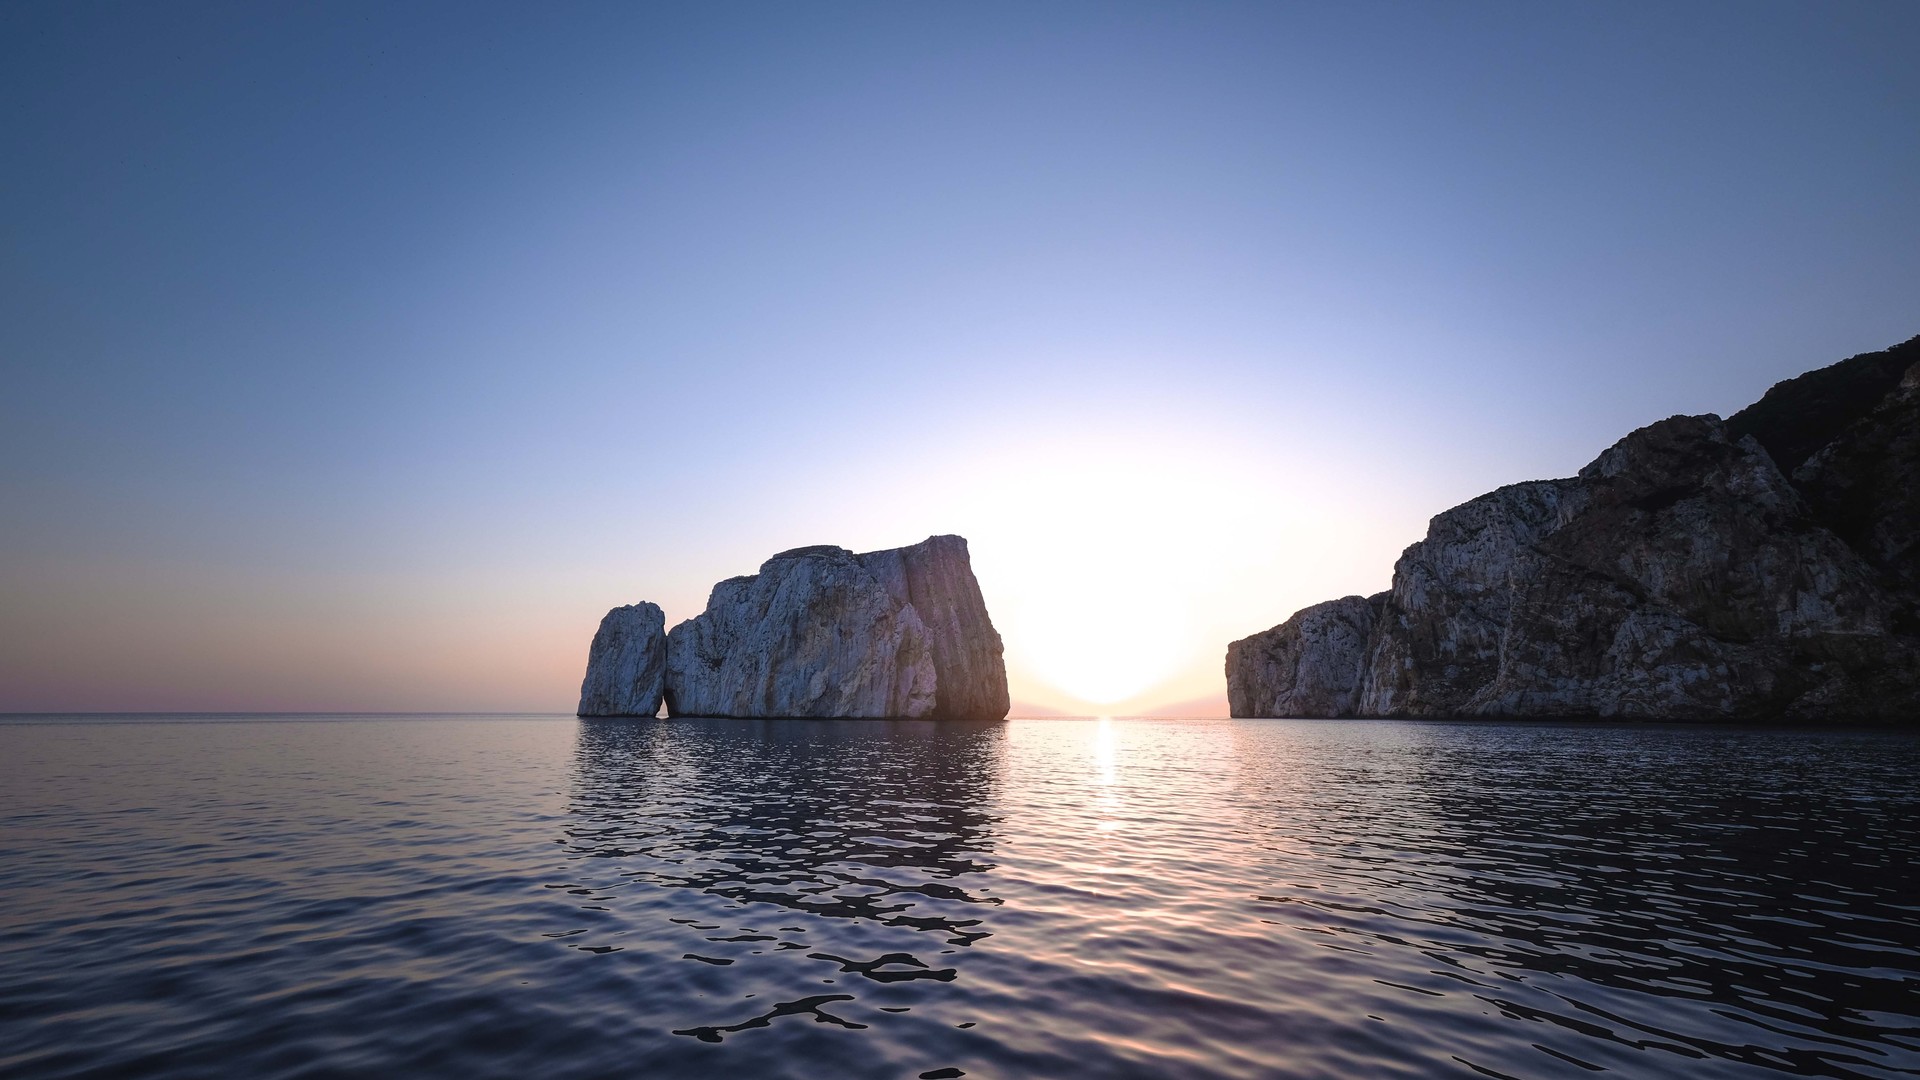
(552, 897)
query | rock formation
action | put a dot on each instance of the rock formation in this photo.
(1314, 664)
(626, 663)
(935, 579)
(821, 631)
(1681, 575)
(1865, 486)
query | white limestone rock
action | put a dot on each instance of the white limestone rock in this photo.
(935, 578)
(626, 663)
(822, 632)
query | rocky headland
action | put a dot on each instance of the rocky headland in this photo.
(818, 632)
(1765, 567)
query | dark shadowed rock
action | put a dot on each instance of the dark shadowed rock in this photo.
(821, 632)
(625, 663)
(1314, 664)
(1797, 417)
(1865, 486)
(1681, 575)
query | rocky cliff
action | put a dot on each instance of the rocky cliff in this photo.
(935, 579)
(819, 631)
(1758, 568)
(1314, 664)
(626, 663)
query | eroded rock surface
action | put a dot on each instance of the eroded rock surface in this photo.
(935, 578)
(1452, 598)
(823, 632)
(1314, 664)
(1681, 575)
(626, 663)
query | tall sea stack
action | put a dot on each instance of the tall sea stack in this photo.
(824, 632)
(627, 663)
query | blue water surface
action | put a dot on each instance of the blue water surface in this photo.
(554, 898)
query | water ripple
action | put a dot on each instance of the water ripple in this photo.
(465, 897)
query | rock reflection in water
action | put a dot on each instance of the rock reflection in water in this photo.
(790, 855)
(1211, 900)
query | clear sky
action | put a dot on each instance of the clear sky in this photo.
(360, 357)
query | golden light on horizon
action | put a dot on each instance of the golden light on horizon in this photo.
(1119, 557)
(1089, 645)
(1087, 549)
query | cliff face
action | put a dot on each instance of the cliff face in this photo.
(812, 634)
(823, 632)
(1681, 575)
(1314, 664)
(1865, 485)
(935, 579)
(626, 663)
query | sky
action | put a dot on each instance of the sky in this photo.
(359, 357)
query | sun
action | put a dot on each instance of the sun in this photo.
(1096, 645)
(1118, 560)
(1093, 568)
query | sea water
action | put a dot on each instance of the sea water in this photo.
(552, 897)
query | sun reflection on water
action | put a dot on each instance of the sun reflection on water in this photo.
(1107, 803)
(1220, 900)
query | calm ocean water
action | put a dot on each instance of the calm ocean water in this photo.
(544, 897)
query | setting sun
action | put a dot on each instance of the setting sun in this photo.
(1084, 545)
(1093, 645)
(959, 540)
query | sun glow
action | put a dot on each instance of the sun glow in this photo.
(1118, 562)
(1091, 558)
(1093, 644)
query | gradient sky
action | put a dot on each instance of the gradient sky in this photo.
(359, 357)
